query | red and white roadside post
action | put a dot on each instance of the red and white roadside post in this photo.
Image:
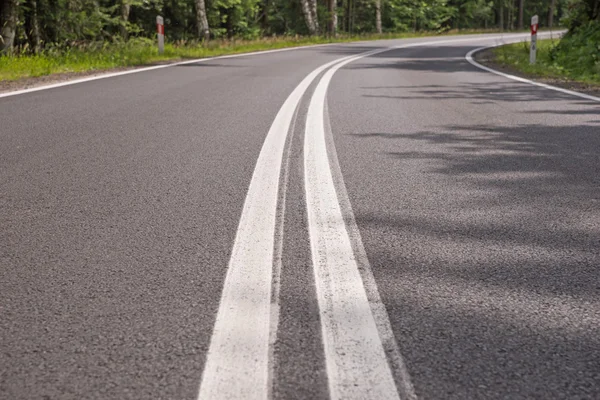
(160, 29)
(533, 47)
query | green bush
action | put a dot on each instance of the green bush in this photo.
(579, 51)
(576, 56)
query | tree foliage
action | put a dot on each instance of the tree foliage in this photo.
(38, 24)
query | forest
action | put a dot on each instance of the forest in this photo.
(43, 37)
(36, 24)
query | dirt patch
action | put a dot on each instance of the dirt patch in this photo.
(487, 58)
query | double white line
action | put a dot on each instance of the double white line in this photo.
(237, 365)
(355, 326)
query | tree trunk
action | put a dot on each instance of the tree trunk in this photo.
(333, 17)
(501, 17)
(9, 14)
(229, 14)
(353, 19)
(349, 16)
(202, 21)
(125, 8)
(32, 26)
(264, 16)
(308, 17)
(378, 16)
(551, 13)
(315, 16)
(521, 6)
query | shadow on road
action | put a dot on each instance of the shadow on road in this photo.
(478, 201)
(482, 93)
(493, 291)
(555, 170)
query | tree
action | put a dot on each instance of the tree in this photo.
(333, 17)
(201, 21)
(314, 14)
(551, 13)
(9, 16)
(348, 15)
(308, 16)
(32, 26)
(125, 9)
(264, 15)
(378, 16)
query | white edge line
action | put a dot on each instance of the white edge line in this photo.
(469, 58)
(145, 69)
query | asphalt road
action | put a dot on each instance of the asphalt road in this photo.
(430, 231)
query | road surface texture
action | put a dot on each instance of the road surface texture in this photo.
(395, 224)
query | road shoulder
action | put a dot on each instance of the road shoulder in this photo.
(487, 58)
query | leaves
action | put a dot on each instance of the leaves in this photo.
(65, 23)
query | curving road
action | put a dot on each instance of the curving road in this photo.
(370, 220)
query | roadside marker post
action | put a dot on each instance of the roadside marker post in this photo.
(160, 29)
(533, 47)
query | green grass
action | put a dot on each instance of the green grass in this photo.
(137, 52)
(568, 59)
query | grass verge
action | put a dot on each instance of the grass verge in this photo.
(556, 59)
(137, 52)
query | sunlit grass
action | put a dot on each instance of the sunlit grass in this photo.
(564, 62)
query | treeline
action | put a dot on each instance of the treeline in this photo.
(31, 25)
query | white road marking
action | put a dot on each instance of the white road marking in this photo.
(237, 365)
(144, 69)
(356, 363)
(469, 58)
(354, 323)
(402, 378)
(278, 262)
